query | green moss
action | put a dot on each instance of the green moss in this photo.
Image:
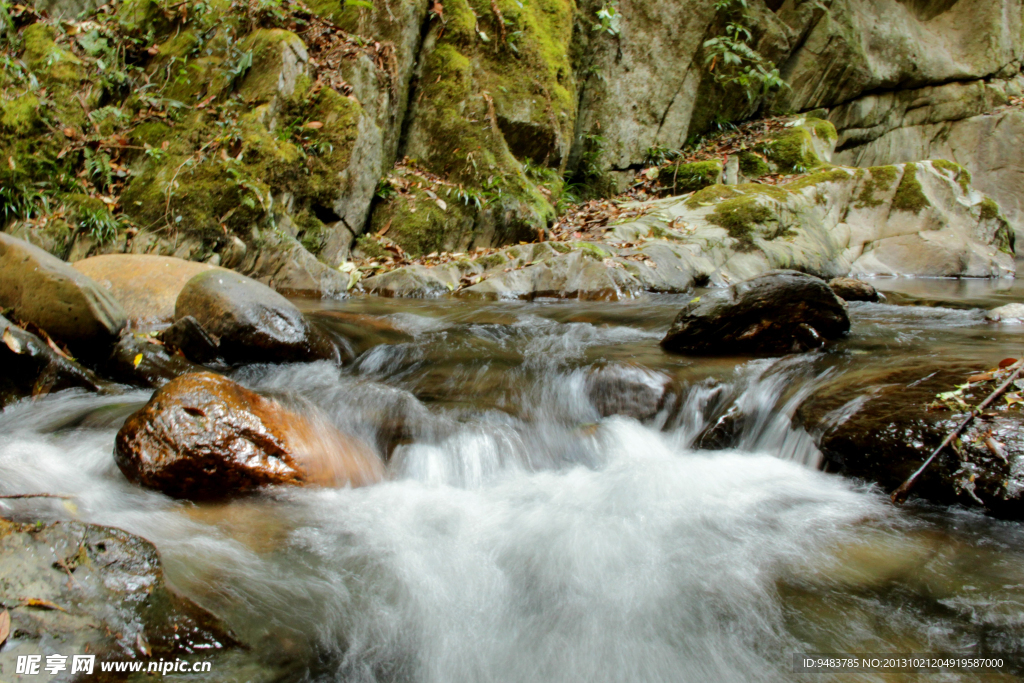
(879, 179)
(792, 151)
(823, 130)
(267, 46)
(739, 217)
(561, 247)
(592, 250)
(50, 62)
(682, 178)
(752, 166)
(371, 247)
(712, 194)
(960, 174)
(909, 194)
(989, 209)
(311, 231)
(832, 175)
(20, 116)
(491, 261)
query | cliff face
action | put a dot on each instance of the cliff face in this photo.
(273, 135)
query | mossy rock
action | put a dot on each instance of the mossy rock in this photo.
(960, 174)
(752, 166)
(50, 62)
(793, 151)
(879, 179)
(684, 178)
(910, 195)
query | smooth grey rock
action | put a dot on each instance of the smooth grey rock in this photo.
(849, 289)
(1010, 313)
(252, 323)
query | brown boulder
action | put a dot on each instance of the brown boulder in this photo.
(850, 289)
(70, 307)
(146, 286)
(206, 436)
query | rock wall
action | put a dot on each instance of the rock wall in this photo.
(293, 130)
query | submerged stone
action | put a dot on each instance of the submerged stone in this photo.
(781, 311)
(850, 289)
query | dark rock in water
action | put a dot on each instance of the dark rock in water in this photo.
(879, 427)
(146, 286)
(781, 311)
(630, 390)
(143, 361)
(253, 323)
(205, 436)
(849, 289)
(29, 367)
(189, 337)
(100, 591)
(70, 307)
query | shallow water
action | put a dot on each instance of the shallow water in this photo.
(520, 536)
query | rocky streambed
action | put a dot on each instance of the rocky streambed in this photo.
(677, 487)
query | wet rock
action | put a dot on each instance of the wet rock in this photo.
(70, 307)
(206, 436)
(251, 322)
(29, 367)
(189, 337)
(879, 427)
(287, 267)
(850, 289)
(626, 389)
(146, 286)
(143, 361)
(99, 591)
(1010, 313)
(778, 312)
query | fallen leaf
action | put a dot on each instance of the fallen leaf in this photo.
(442, 204)
(165, 144)
(983, 377)
(10, 162)
(137, 360)
(313, 124)
(387, 226)
(42, 604)
(1007, 362)
(143, 645)
(5, 626)
(153, 50)
(12, 343)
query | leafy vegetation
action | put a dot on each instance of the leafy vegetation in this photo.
(731, 58)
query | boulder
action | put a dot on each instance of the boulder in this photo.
(189, 337)
(251, 322)
(206, 436)
(882, 426)
(627, 389)
(850, 289)
(146, 286)
(70, 307)
(780, 311)
(29, 367)
(96, 590)
(144, 361)
(1010, 313)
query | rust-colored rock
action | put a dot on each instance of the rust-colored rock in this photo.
(146, 286)
(206, 436)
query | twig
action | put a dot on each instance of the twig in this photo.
(35, 495)
(900, 494)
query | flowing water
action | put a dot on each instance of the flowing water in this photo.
(520, 536)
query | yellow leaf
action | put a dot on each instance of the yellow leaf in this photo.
(70, 507)
(12, 343)
(138, 359)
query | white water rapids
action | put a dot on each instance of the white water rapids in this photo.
(521, 538)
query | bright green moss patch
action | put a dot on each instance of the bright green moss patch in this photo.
(712, 194)
(909, 194)
(739, 217)
(879, 179)
(960, 174)
(833, 175)
(752, 166)
(592, 250)
(50, 62)
(20, 116)
(371, 247)
(683, 178)
(824, 130)
(792, 151)
(989, 209)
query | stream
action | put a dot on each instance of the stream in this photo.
(522, 537)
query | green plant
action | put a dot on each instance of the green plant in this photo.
(98, 223)
(731, 58)
(608, 20)
(657, 155)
